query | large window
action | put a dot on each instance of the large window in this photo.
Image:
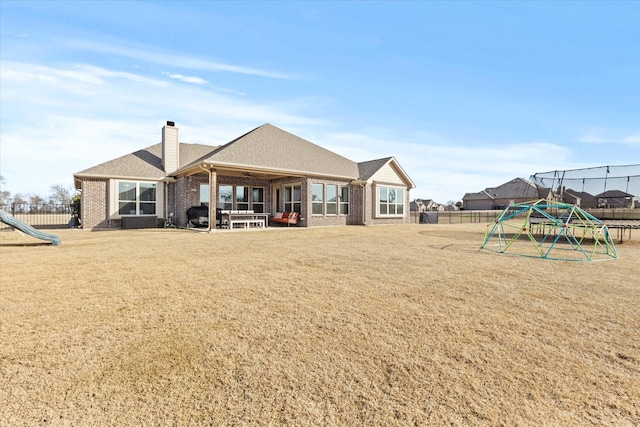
(329, 199)
(257, 199)
(136, 198)
(332, 200)
(242, 198)
(225, 197)
(344, 200)
(317, 199)
(390, 201)
(204, 194)
(239, 197)
(292, 198)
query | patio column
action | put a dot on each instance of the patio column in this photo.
(213, 197)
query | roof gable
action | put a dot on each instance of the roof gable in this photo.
(369, 168)
(270, 148)
(386, 170)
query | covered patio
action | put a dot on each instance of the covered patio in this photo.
(236, 198)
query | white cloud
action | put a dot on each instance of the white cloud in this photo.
(20, 35)
(60, 120)
(148, 54)
(186, 79)
(632, 139)
(610, 137)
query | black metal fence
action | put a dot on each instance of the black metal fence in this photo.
(57, 215)
(454, 217)
(40, 215)
(469, 217)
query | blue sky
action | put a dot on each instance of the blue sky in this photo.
(465, 95)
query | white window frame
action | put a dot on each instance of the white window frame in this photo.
(396, 203)
(115, 200)
(291, 205)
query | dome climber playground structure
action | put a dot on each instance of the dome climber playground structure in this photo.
(550, 230)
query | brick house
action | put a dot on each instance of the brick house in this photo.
(615, 199)
(581, 199)
(517, 190)
(266, 171)
(425, 205)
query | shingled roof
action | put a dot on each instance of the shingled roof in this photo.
(268, 147)
(481, 195)
(145, 163)
(368, 169)
(614, 194)
(517, 187)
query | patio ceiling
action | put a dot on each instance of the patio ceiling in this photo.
(242, 172)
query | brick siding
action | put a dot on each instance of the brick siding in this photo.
(95, 204)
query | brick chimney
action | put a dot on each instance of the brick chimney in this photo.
(170, 148)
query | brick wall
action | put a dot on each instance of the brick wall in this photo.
(187, 194)
(95, 204)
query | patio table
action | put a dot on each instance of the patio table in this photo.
(246, 219)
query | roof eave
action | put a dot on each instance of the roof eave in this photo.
(403, 174)
(79, 177)
(240, 167)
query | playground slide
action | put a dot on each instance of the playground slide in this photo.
(8, 219)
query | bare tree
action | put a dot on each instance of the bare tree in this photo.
(60, 194)
(19, 203)
(5, 196)
(37, 204)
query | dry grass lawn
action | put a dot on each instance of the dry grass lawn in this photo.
(387, 325)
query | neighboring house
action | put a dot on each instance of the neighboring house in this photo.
(568, 195)
(266, 170)
(425, 205)
(517, 190)
(477, 201)
(581, 199)
(615, 199)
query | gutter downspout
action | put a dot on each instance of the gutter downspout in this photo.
(364, 203)
(166, 180)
